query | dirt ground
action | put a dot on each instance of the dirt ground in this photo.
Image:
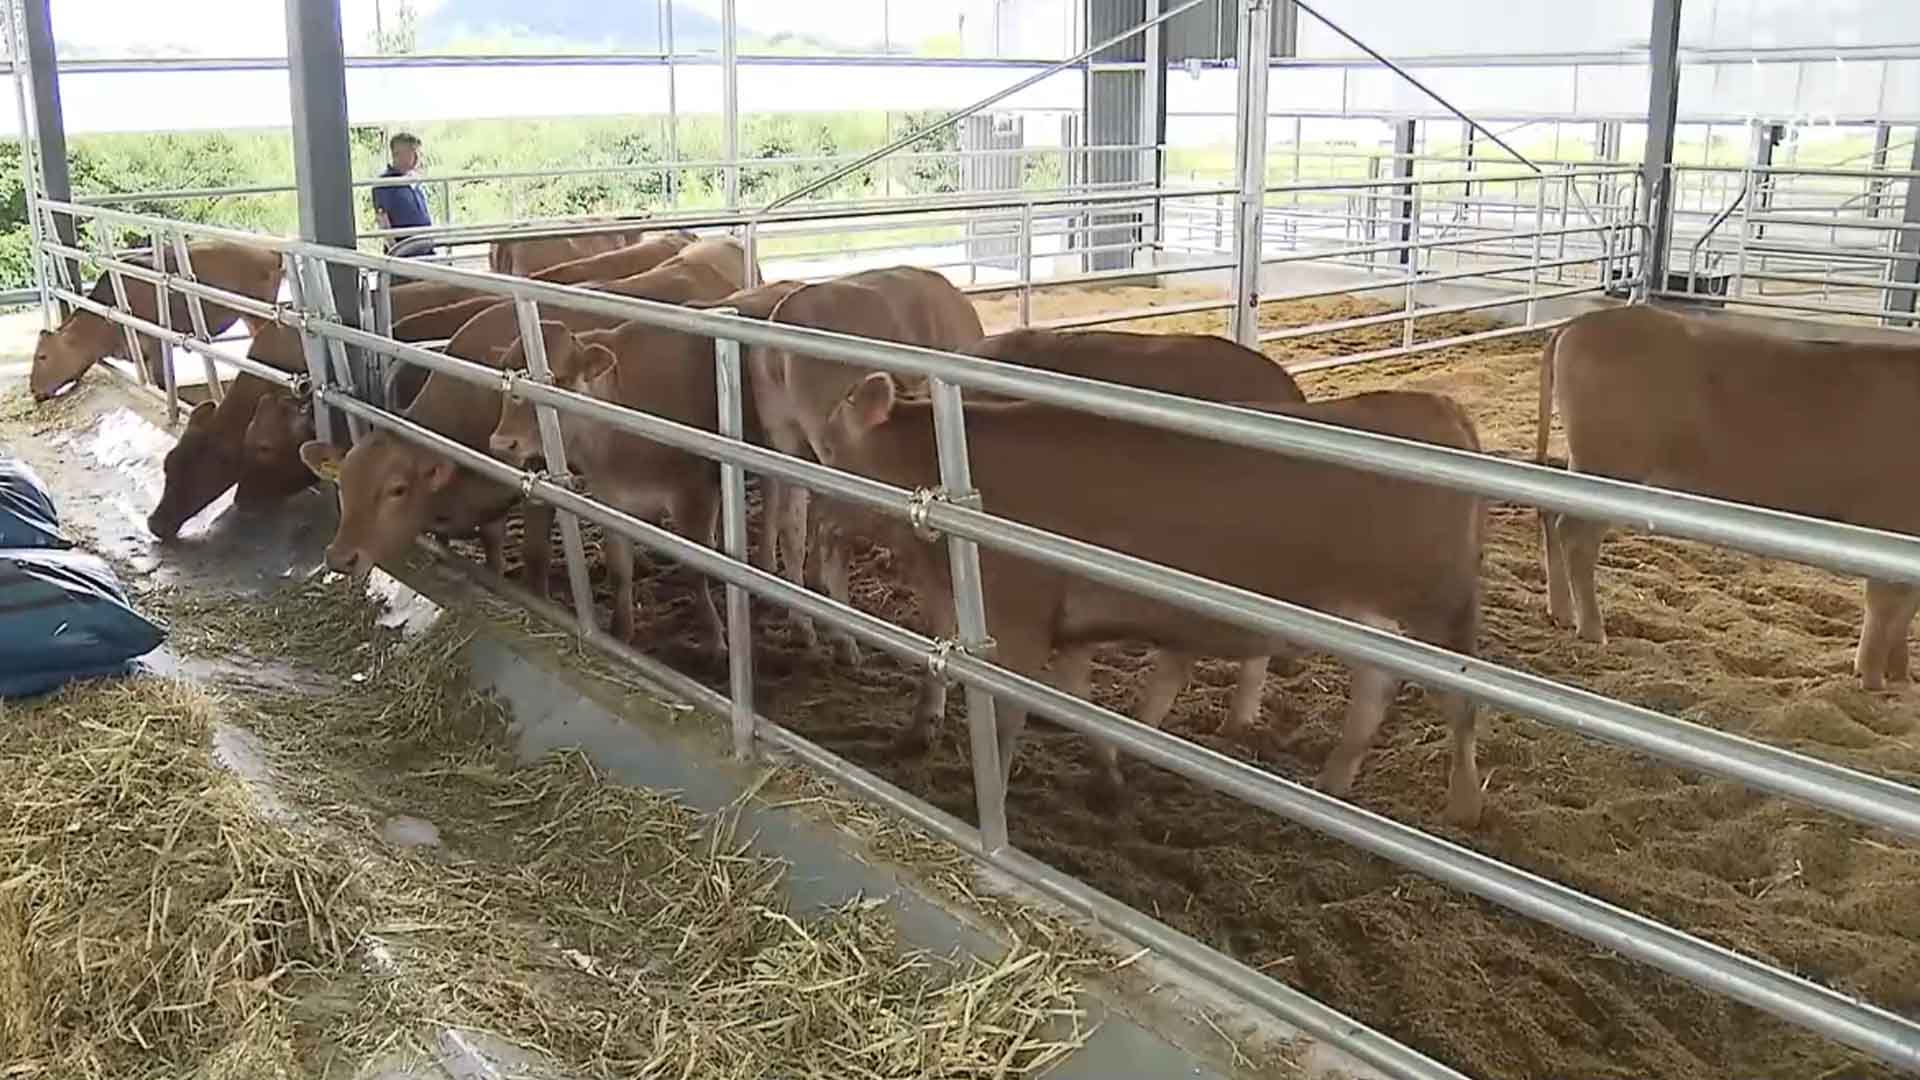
(1741, 644)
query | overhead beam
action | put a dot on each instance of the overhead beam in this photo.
(1663, 108)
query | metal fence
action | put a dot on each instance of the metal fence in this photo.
(1882, 1034)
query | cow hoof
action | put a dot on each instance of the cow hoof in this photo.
(1463, 811)
(1595, 635)
(1872, 682)
(849, 650)
(1106, 792)
(914, 739)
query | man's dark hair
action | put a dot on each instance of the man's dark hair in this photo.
(403, 138)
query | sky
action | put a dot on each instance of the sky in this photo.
(1398, 27)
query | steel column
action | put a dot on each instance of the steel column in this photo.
(1877, 189)
(1404, 134)
(322, 150)
(730, 97)
(733, 528)
(1153, 133)
(969, 600)
(553, 447)
(1250, 167)
(1906, 270)
(1663, 105)
(49, 117)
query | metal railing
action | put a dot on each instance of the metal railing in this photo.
(1849, 549)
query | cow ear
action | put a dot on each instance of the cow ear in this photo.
(596, 360)
(322, 459)
(872, 400)
(201, 416)
(440, 474)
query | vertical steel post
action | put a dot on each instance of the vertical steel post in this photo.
(320, 301)
(314, 350)
(1250, 168)
(733, 517)
(49, 118)
(553, 446)
(163, 308)
(1877, 189)
(1539, 227)
(103, 243)
(750, 252)
(196, 311)
(730, 97)
(1656, 169)
(378, 363)
(1404, 134)
(969, 600)
(1152, 132)
(29, 172)
(673, 105)
(1026, 264)
(1906, 270)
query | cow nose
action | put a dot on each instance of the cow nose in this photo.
(506, 448)
(343, 562)
(161, 527)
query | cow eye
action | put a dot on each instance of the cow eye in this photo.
(397, 491)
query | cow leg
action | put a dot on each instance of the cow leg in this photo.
(1458, 630)
(1072, 673)
(1367, 703)
(1553, 558)
(1247, 692)
(620, 563)
(493, 539)
(766, 554)
(536, 546)
(1899, 625)
(1580, 549)
(1884, 632)
(831, 541)
(935, 594)
(696, 516)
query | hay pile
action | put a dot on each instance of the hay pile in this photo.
(148, 914)
(154, 922)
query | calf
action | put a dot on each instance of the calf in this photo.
(620, 262)
(793, 392)
(1824, 429)
(1361, 545)
(208, 457)
(656, 371)
(62, 355)
(522, 257)
(392, 489)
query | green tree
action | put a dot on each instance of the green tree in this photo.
(396, 30)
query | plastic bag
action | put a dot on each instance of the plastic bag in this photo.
(63, 617)
(27, 516)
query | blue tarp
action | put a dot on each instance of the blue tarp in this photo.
(63, 617)
(27, 516)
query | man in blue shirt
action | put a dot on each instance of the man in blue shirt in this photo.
(403, 206)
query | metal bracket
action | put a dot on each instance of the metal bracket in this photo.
(920, 505)
(507, 379)
(945, 647)
(301, 387)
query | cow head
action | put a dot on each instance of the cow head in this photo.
(271, 468)
(575, 366)
(59, 357)
(202, 465)
(388, 491)
(865, 407)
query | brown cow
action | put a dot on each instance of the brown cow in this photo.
(792, 393)
(414, 297)
(1361, 545)
(391, 489)
(1815, 428)
(656, 371)
(208, 459)
(620, 262)
(523, 257)
(1202, 366)
(61, 356)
